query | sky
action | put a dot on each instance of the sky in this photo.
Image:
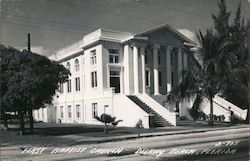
(54, 24)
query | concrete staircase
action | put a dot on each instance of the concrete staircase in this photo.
(158, 120)
(238, 112)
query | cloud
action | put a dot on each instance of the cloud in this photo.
(189, 34)
(39, 50)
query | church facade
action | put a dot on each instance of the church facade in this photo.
(122, 74)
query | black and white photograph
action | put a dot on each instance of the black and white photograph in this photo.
(124, 80)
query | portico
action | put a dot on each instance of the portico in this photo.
(160, 62)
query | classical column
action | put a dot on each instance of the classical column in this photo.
(156, 70)
(127, 60)
(122, 80)
(168, 68)
(179, 63)
(142, 52)
(136, 70)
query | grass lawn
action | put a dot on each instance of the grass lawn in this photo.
(52, 134)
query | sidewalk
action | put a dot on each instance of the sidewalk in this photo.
(75, 134)
(178, 130)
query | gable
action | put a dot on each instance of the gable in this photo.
(165, 35)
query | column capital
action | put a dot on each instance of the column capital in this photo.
(138, 44)
(156, 46)
(169, 47)
(180, 49)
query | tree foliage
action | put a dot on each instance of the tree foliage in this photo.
(221, 24)
(221, 66)
(107, 119)
(201, 80)
(237, 34)
(28, 80)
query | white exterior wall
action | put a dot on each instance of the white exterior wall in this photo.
(101, 103)
(90, 92)
(129, 112)
(44, 115)
(118, 104)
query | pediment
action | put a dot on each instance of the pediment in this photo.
(165, 35)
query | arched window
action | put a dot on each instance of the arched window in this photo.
(77, 65)
(68, 66)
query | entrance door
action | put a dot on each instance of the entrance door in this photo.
(115, 80)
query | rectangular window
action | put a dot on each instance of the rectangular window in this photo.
(94, 79)
(69, 85)
(61, 87)
(105, 108)
(93, 57)
(69, 112)
(113, 56)
(94, 110)
(160, 79)
(61, 111)
(147, 77)
(77, 111)
(77, 83)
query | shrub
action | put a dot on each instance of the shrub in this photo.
(139, 124)
(107, 119)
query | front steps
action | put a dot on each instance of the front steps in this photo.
(158, 120)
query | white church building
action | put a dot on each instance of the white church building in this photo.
(125, 75)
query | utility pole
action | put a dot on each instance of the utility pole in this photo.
(30, 107)
(28, 41)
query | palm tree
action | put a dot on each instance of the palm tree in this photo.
(205, 75)
(107, 119)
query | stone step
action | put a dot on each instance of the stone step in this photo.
(158, 120)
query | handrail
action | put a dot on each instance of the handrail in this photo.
(235, 108)
(226, 104)
(229, 104)
(158, 108)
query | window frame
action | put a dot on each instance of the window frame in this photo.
(69, 111)
(93, 60)
(68, 66)
(77, 65)
(61, 90)
(77, 84)
(78, 113)
(69, 86)
(114, 56)
(61, 112)
(94, 109)
(93, 80)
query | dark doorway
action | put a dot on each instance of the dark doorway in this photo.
(115, 82)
